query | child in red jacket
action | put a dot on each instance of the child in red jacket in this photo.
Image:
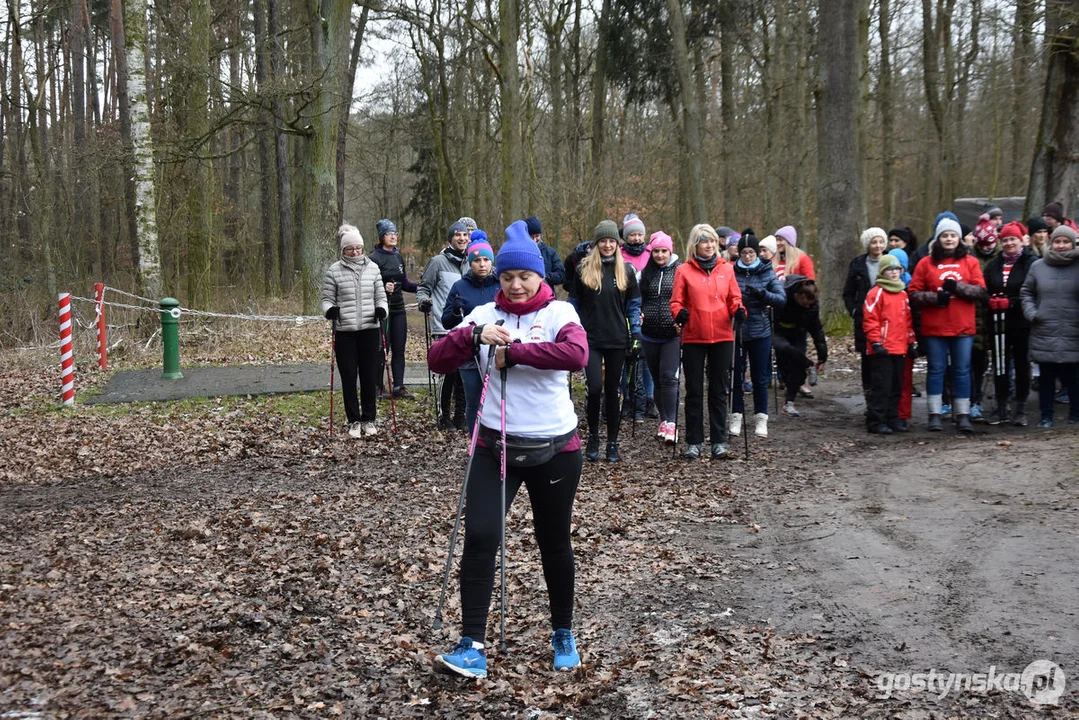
(889, 331)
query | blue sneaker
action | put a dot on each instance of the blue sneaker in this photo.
(946, 411)
(467, 659)
(747, 386)
(1045, 423)
(565, 650)
(976, 414)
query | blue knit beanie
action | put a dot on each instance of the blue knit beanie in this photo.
(456, 228)
(385, 227)
(519, 252)
(534, 227)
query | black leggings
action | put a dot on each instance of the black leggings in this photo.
(551, 490)
(396, 334)
(663, 359)
(792, 361)
(718, 358)
(359, 353)
(1017, 353)
(603, 374)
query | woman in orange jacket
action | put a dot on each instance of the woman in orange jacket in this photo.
(707, 303)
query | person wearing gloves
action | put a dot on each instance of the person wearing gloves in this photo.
(392, 266)
(861, 277)
(1004, 277)
(761, 290)
(707, 303)
(799, 316)
(477, 287)
(638, 401)
(354, 299)
(984, 249)
(789, 260)
(439, 276)
(554, 270)
(539, 343)
(609, 303)
(889, 332)
(659, 332)
(1050, 297)
(948, 285)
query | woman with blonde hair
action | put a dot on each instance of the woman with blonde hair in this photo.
(609, 303)
(707, 303)
(789, 260)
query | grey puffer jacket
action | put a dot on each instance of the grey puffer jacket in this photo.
(438, 277)
(1050, 296)
(357, 289)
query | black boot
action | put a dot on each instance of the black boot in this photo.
(935, 423)
(612, 452)
(650, 410)
(963, 424)
(592, 451)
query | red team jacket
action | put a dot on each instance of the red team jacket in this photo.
(886, 319)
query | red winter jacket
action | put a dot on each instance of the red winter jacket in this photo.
(886, 319)
(957, 318)
(711, 298)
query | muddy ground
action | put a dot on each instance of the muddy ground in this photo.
(300, 577)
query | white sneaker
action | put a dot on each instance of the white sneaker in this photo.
(762, 424)
(788, 409)
(736, 423)
(671, 434)
(369, 429)
(662, 432)
(355, 430)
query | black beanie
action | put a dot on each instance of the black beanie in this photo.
(1035, 224)
(749, 240)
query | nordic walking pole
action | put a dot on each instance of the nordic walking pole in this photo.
(677, 392)
(430, 376)
(633, 371)
(389, 379)
(333, 351)
(437, 625)
(502, 631)
(745, 433)
(772, 357)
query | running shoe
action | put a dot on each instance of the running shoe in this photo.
(467, 659)
(566, 656)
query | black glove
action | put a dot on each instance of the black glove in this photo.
(950, 285)
(755, 292)
(682, 318)
(943, 298)
(333, 313)
(380, 312)
(740, 315)
(879, 349)
(633, 352)
(912, 351)
(425, 306)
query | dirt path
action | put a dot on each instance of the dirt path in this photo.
(302, 582)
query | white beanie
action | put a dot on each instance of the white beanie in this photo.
(947, 224)
(349, 235)
(869, 233)
(770, 243)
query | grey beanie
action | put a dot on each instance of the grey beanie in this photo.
(1064, 231)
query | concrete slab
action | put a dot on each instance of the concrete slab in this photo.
(147, 385)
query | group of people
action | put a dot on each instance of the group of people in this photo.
(999, 298)
(636, 310)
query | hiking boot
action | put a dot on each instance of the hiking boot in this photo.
(935, 423)
(402, 392)
(445, 423)
(719, 451)
(736, 424)
(1019, 419)
(962, 424)
(999, 415)
(650, 410)
(355, 430)
(639, 418)
(879, 430)
(976, 414)
(788, 409)
(369, 429)
(591, 452)
(612, 452)
(762, 425)
(566, 656)
(467, 659)
(899, 426)
(693, 452)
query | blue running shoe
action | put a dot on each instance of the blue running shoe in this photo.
(747, 386)
(565, 650)
(946, 410)
(976, 414)
(467, 659)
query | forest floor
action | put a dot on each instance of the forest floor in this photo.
(226, 558)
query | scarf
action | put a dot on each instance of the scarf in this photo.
(706, 265)
(1010, 259)
(541, 298)
(756, 264)
(453, 254)
(1061, 259)
(634, 250)
(892, 286)
(607, 260)
(356, 263)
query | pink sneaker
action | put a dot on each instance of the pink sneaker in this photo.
(662, 432)
(671, 436)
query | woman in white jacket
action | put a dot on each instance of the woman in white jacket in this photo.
(354, 298)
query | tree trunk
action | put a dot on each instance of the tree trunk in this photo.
(510, 101)
(123, 107)
(553, 237)
(347, 83)
(691, 126)
(318, 196)
(1023, 57)
(839, 194)
(886, 105)
(1054, 175)
(599, 110)
(285, 239)
(728, 37)
(197, 171)
(270, 265)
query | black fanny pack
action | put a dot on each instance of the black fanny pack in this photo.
(525, 451)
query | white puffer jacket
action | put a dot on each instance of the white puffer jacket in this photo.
(357, 289)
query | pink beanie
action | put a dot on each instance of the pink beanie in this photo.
(660, 240)
(788, 233)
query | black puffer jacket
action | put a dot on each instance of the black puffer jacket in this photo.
(793, 320)
(657, 284)
(855, 289)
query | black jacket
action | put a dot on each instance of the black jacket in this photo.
(855, 289)
(994, 284)
(392, 266)
(793, 320)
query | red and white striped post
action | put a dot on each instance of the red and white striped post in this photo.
(67, 357)
(102, 330)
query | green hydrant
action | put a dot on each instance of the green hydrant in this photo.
(170, 338)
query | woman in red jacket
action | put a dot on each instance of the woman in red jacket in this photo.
(889, 330)
(948, 285)
(706, 302)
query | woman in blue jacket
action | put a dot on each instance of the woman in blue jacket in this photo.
(478, 287)
(761, 289)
